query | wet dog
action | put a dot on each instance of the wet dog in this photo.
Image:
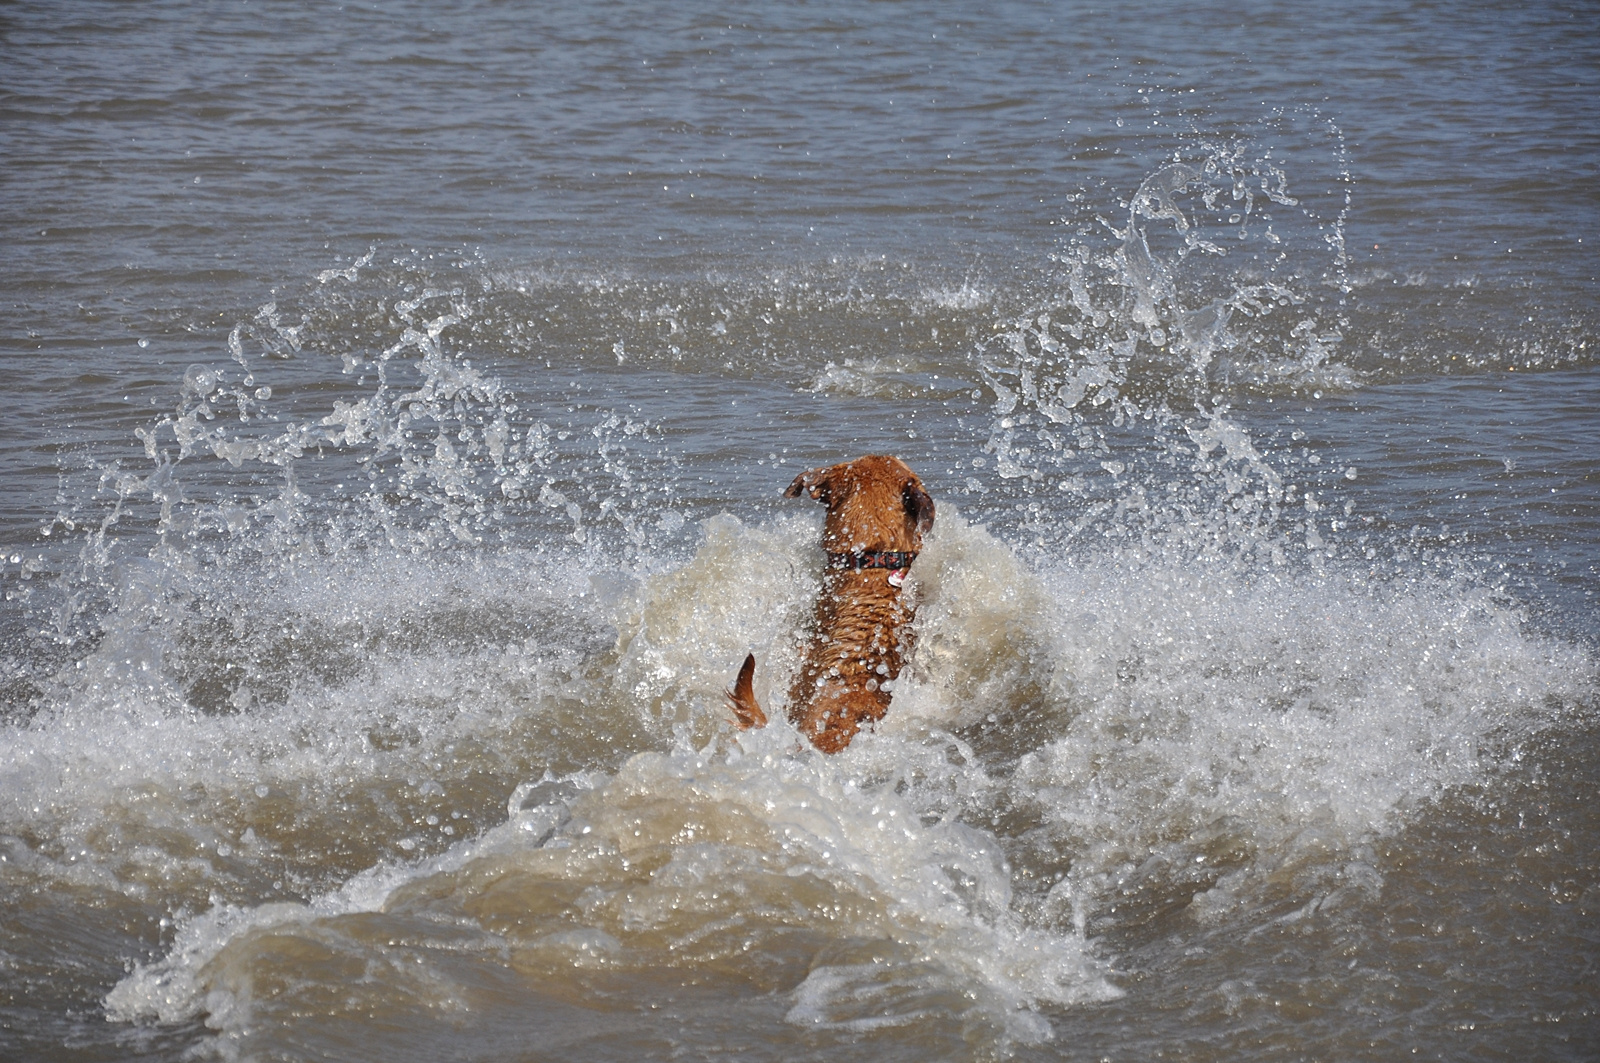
(878, 513)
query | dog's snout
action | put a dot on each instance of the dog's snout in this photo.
(919, 505)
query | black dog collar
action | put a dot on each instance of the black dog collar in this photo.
(898, 560)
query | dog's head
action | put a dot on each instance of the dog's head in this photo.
(874, 503)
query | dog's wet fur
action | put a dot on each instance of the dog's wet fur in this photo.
(875, 504)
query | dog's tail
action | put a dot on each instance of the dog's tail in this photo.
(742, 698)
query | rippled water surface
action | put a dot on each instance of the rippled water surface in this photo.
(397, 407)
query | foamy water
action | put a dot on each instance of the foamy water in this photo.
(1071, 737)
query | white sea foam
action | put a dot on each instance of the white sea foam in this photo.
(1188, 731)
(1177, 711)
(680, 852)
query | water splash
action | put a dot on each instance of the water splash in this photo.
(357, 580)
(1078, 750)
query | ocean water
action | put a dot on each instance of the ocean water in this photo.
(397, 406)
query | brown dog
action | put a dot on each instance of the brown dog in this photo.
(877, 515)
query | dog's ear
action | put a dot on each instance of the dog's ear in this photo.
(919, 505)
(814, 481)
